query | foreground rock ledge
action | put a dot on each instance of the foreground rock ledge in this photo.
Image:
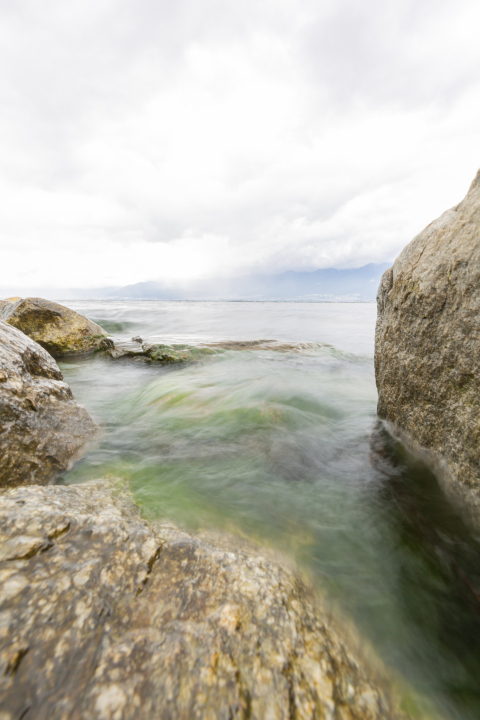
(56, 328)
(427, 344)
(42, 429)
(105, 617)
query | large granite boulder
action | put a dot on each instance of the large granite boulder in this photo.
(58, 329)
(427, 345)
(42, 429)
(106, 617)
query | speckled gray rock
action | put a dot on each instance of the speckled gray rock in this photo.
(105, 617)
(56, 328)
(42, 429)
(427, 344)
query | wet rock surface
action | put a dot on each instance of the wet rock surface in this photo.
(56, 328)
(275, 345)
(427, 344)
(104, 616)
(151, 351)
(41, 426)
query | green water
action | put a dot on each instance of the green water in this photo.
(286, 448)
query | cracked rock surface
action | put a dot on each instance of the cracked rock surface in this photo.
(42, 429)
(427, 342)
(56, 328)
(104, 616)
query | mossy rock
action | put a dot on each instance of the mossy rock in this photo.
(56, 328)
(177, 353)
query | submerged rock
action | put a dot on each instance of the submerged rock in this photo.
(275, 345)
(427, 344)
(175, 353)
(107, 617)
(138, 349)
(154, 352)
(58, 329)
(41, 426)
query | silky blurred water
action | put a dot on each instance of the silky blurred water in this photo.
(285, 447)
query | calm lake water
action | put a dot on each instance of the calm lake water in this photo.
(286, 448)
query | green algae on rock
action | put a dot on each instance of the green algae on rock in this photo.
(58, 329)
(41, 426)
(176, 353)
(154, 352)
(108, 617)
(427, 345)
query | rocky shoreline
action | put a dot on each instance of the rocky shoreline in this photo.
(106, 616)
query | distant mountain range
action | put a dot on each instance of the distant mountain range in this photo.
(329, 285)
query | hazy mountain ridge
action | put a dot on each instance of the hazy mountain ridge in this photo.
(327, 285)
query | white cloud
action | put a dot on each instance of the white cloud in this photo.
(158, 139)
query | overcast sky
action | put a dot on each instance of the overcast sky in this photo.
(156, 139)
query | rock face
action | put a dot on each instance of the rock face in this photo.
(427, 343)
(105, 617)
(41, 426)
(58, 329)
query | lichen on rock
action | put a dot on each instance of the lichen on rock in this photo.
(42, 429)
(427, 345)
(107, 617)
(58, 329)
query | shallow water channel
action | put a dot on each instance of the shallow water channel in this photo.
(285, 447)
